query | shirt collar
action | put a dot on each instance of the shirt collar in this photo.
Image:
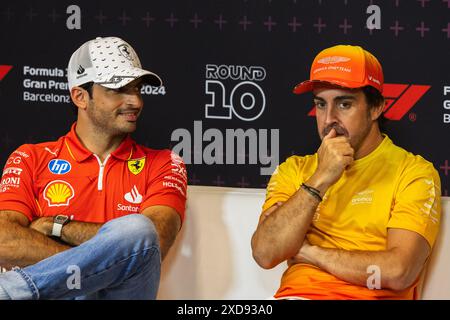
(80, 153)
(125, 150)
(379, 150)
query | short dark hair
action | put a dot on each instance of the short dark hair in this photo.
(88, 87)
(374, 99)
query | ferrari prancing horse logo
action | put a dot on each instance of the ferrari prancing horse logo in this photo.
(136, 165)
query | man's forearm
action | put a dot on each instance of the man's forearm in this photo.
(281, 234)
(21, 246)
(357, 266)
(76, 232)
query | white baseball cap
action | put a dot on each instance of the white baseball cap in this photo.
(110, 62)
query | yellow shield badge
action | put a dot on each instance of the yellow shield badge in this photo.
(136, 165)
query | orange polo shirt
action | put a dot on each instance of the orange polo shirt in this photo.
(63, 177)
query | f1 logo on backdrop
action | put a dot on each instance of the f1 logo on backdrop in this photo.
(400, 98)
(4, 69)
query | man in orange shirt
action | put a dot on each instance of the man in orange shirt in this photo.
(358, 219)
(91, 215)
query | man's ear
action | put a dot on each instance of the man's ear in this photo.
(376, 112)
(80, 97)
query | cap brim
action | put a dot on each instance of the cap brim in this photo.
(152, 79)
(309, 85)
(116, 81)
(305, 86)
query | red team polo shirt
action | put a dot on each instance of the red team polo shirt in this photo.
(63, 177)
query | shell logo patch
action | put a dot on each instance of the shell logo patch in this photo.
(58, 193)
(136, 165)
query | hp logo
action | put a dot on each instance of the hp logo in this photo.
(59, 166)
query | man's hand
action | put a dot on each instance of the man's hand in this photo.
(43, 225)
(305, 255)
(335, 154)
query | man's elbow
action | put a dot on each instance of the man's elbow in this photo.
(260, 255)
(401, 278)
(262, 261)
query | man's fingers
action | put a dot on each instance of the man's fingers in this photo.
(330, 134)
(348, 160)
(340, 148)
(335, 143)
(347, 150)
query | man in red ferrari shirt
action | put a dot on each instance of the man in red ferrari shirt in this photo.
(91, 215)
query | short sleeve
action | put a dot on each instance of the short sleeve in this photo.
(168, 183)
(417, 204)
(283, 183)
(16, 187)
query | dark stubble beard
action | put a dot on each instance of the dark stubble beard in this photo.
(102, 123)
(356, 141)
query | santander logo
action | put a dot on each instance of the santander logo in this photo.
(133, 196)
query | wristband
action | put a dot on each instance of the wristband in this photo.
(313, 191)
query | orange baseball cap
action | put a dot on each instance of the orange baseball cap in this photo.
(346, 66)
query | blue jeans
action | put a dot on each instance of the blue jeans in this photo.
(122, 261)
